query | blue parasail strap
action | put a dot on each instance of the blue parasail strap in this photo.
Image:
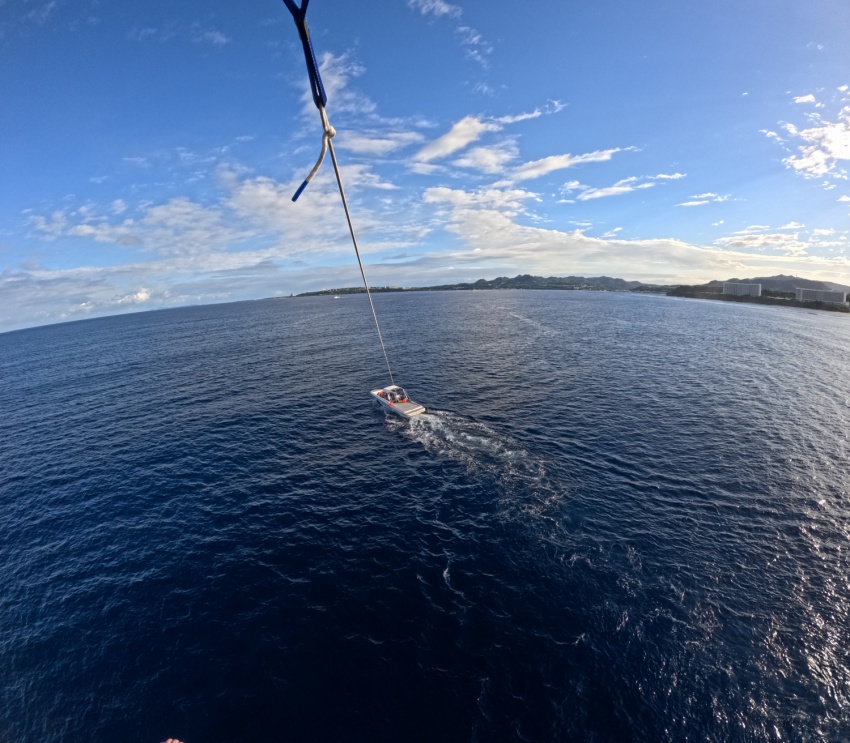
(299, 15)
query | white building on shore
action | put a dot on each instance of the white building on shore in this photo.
(740, 289)
(821, 295)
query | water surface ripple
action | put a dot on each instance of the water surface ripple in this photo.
(623, 518)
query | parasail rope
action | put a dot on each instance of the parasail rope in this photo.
(357, 251)
(328, 133)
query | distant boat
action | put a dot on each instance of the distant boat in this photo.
(336, 296)
(397, 401)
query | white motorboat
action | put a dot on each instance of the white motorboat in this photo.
(396, 400)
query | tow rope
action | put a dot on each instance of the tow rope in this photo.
(320, 98)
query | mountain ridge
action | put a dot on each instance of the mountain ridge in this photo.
(780, 282)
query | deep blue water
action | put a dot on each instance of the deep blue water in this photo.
(624, 518)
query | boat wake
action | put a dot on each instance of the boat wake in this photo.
(521, 477)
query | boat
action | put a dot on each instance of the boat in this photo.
(396, 400)
(337, 296)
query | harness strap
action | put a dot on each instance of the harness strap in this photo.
(316, 87)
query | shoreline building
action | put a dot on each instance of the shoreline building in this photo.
(739, 289)
(821, 295)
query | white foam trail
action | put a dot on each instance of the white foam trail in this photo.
(462, 439)
(522, 477)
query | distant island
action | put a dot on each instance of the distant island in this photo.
(525, 281)
(776, 290)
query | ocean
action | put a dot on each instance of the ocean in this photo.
(623, 518)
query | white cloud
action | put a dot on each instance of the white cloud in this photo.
(495, 244)
(123, 234)
(476, 47)
(473, 43)
(436, 8)
(184, 227)
(376, 144)
(49, 229)
(792, 226)
(463, 133)
(552, 107)
(826, 145)
(705, 198)
(251, 240)
(359, 175)
(214, 38)
(41, 13)
(805, 99)
(546, 165)
(505, 201)
(624, 186)
(788, 244)
(138, 161)
(143, 295)
(180, 31)
(618, 189)
(470, 129)
(337, 71)
(488, 159)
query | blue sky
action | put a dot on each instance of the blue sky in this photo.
(149, 151)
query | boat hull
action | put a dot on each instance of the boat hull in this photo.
(407, 409)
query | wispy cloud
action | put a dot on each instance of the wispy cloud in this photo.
(436, 8)
(464, 132)
(377, 143)
(470, 129)
(215, 38)
(141, 162)
(180, 31)
(474, 44)
(551, 107)
(705, 198)
(476, 47)
(546, 165)
(337, 72)
(623, 186)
